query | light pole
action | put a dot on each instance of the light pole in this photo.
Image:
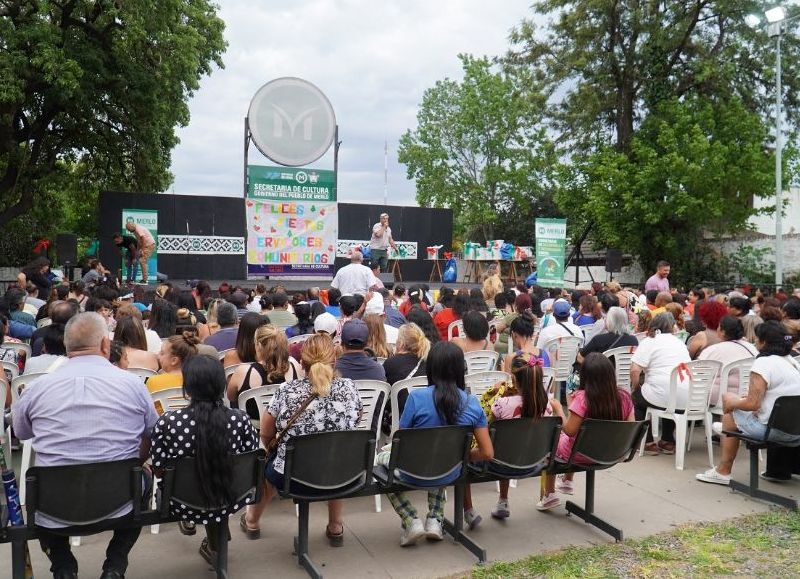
(776, 18)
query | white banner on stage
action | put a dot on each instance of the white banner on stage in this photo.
(405, 249)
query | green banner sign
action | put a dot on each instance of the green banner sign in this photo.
(287, 184)
(551, 244)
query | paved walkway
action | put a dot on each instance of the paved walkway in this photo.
(643, 497)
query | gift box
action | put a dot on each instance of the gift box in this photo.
(433, 251)
(523, 252)
(471, 250)
(494, 246)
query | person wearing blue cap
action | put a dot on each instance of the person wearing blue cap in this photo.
(563, 326)
(354, 363)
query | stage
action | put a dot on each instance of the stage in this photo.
(296, 285)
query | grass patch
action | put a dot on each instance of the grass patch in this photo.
(756, 545)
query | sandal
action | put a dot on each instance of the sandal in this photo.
(666, 447)
(207, 554)
(187, 528)
(252, 534)
(335, 539)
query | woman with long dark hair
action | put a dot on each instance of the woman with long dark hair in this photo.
(454, 311)
(423, 319)
(245, 350)
(210, 432)
(775, 373)
(521, 334)
(443, 403)
(598, 398)
(163, 319)
(304, 324)
(130, 332)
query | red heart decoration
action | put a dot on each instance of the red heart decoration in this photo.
(322, 212)
(273, 230)
(249, 203)
(256, 227)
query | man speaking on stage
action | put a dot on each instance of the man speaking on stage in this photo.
(380, 242)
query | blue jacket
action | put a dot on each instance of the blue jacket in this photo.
(19, 330)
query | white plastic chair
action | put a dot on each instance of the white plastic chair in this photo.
(19, 347)
(43, 322)
(622, 364)
(700, 374)
(478, 383)
(262, 395)
(169, 399)
(374, 395)
(229, 370)
(404, 385)
(222, 353)
(17, 385)
(143, 373)
(481, 361)
(740, 367)
(562, 352)
(299, 339)
(451, 329)
(11, 368)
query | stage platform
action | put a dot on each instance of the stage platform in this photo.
(298, 285)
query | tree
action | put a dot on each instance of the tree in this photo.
(479, 147)
(663, 121)
(91, 92)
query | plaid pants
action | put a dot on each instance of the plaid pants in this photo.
(403, 507)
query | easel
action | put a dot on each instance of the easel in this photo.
(436, 270)
(512, 272)
(474, 270)
(394, 269)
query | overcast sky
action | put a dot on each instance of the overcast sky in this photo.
(373, 60)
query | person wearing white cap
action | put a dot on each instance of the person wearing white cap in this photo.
(377, 306)
(325, 322)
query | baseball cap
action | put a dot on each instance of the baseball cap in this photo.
(561, 308)
(375, 305)
(355, 333)
(325, 322)
(128, 296)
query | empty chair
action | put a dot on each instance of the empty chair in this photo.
(481, 361)
(261, 396)
(700, 375)
(480, 382)
(374, 396)
(399, 393)
(621, 357)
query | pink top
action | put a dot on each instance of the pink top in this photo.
(579, 406)
(656, 282)
(144, 234)
(511, 407)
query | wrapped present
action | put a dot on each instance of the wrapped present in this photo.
(433, 251)
(483, 254)
(523, 252)
(471, 250)
(494, 246)
(448, 255)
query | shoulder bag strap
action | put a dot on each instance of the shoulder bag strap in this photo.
(563, 325)
(414, 371)
(615, 342)
(293, 419)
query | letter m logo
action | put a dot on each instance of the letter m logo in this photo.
(280, 116)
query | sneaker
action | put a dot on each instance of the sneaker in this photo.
(564, 485)
(472, 518)
(412, 534)
(716, 428)
(501, 510)
(433, 530)
(712, 476)
(548, 502)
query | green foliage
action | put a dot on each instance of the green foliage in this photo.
(480, 148)
(754, 265)
(90, 96)
(663, 118)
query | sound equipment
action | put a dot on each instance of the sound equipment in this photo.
(613, 260)
(67, 248)
(386, 278)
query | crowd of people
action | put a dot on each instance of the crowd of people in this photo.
(87, 408)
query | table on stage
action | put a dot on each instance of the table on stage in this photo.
(475, 270)
(394, 269)
(436, 269)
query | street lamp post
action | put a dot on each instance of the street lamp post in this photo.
(776, 19)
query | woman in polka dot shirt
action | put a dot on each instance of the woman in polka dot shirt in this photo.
(210, 432)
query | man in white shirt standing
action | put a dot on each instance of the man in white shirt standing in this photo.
(381, 241)
(355, 278)
(563, 325)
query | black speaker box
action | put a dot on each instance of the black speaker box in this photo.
(613, 260)
(67, 248)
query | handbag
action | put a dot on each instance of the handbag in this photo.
(272, 448)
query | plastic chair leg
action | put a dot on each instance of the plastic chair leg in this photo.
(377, 503)
(75, 541)
(680, 440)
(691, 426)
(27, 459)
(707, 425)
(154, 529)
